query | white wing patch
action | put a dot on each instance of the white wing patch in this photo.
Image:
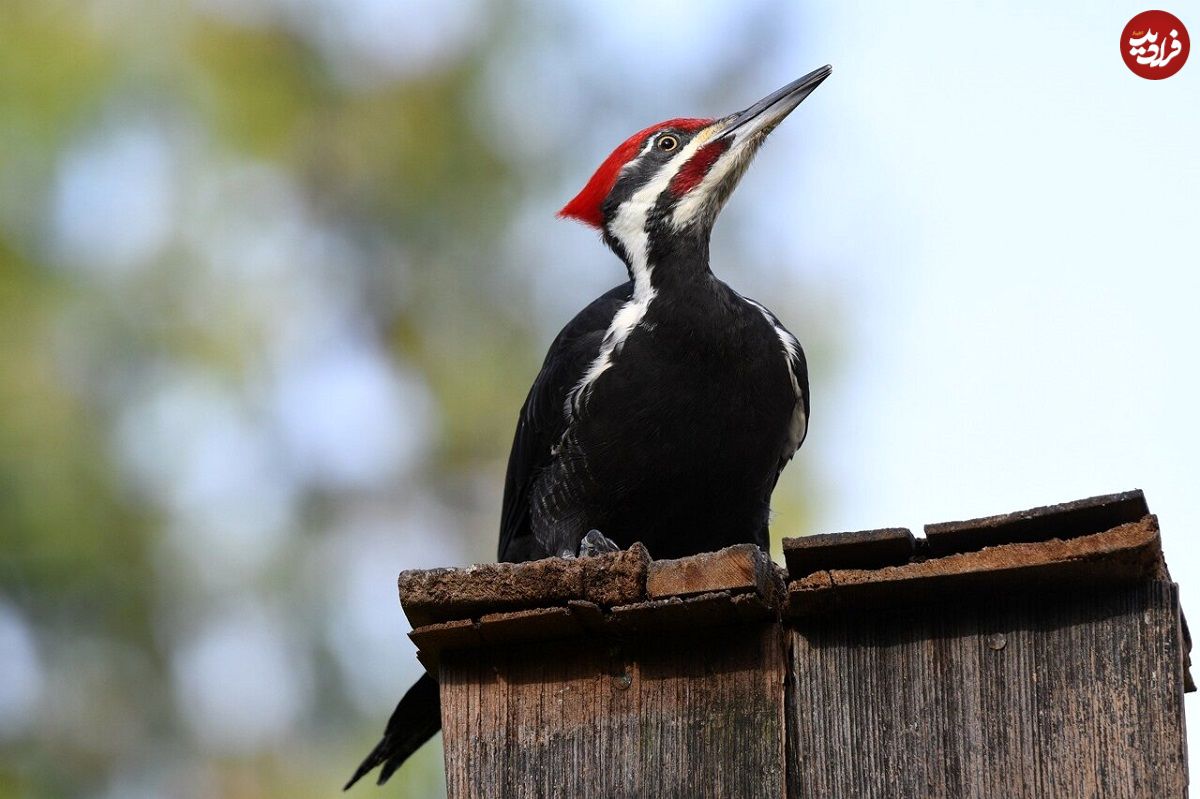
(798, 426)
(623, 323)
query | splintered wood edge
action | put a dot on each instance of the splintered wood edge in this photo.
(864, 549)
(618, 594)
(1126, 553)
(1065, 520)
(438, 595)
(740, 569)
(582, 618)
(432, 639)
(627, 593)
(528, 625)
(622, 578)
(711, 609)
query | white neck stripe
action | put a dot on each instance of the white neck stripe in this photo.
(628, 227)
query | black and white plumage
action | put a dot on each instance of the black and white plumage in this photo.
(677, 444)
(666, 409)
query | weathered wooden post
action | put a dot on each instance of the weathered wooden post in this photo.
(609, 676)
(1039, 654)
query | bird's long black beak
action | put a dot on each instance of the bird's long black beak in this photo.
(763, 116)
(726, 147)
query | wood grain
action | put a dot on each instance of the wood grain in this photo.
(1069, 696)
(1125, 555)
(695, 714)
(1039, 654)
(432, 596)
(739, 568)
(1065, 520)
(865, 549)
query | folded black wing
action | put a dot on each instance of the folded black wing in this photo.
(542, 421)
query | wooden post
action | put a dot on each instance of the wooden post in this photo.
(609, 676)
(1039, 654)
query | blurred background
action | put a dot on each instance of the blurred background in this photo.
(275, 276)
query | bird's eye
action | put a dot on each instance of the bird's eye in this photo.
(668, 143)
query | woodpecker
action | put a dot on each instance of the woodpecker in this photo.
(666, 409)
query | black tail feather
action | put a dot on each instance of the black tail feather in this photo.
(415, 720)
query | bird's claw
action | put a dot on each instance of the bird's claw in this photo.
(596, 543)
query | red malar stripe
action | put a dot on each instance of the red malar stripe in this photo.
(690, 175)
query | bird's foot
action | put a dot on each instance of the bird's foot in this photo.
(596, 543)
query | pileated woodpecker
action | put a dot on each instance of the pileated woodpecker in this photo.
(667, 408)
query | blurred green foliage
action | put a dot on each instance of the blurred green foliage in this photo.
(308, 203)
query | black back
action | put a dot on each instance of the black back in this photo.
(678, 444)
(543, 422)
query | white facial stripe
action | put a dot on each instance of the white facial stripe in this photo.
(629, 228)
(632, 162)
